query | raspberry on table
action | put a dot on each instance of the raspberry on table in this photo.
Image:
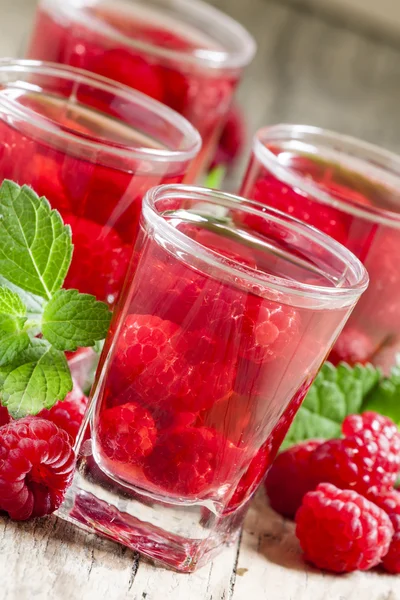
(341, 531)
(68, 413)
(36, 467)
(366, 459)
(389, 501)
(190, 462)
(99, 261)
(290, 478)
(4, 416)
(127, 433)
(353, 346)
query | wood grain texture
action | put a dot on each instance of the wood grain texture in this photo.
(308, 69)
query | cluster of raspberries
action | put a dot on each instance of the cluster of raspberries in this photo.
(37, 458)
(341, 493)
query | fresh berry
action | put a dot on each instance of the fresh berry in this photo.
(99, 261)
(391, 562)
(290, 478)
(36, 467)
(388, 500)
(341, 531)
(4, 416)
(353, 346)
(267, 329)
(272, 192)
(232, 139)
(127, 433)
(68, 414)
(191, 461)
(366, 459)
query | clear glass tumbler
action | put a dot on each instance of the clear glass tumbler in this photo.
(217, 336)
(93, 147)
(350, 190)
(184, 53)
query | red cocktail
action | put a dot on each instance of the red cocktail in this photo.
(92, 147)
(349, 190)
(183, 53)
(214, 343)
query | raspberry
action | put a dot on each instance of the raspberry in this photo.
(341, 531)
(99, 261)
(367, 458)
(353, 346)
(290, 478)
(36, 467)
(4, 416)
(389, 501)
(232, 139)
(68, 414)
(191, 461)
(267, 329)
(127, 433)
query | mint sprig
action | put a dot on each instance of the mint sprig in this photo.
(335, 393)
(38, 319)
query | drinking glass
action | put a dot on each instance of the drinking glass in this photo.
(216, 338)
(350, 190)
(184, 53)
(93, 147)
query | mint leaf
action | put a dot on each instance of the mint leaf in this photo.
(11, 303)
(38, 382)
(35, 245)
(215, 177)
(335, 393)
(72, 320)
(33, 304)
(385, 397)
(13, 337)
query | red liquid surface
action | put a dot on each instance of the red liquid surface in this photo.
(101, 204)
(373, 331)
(205, 377)
(106, 40)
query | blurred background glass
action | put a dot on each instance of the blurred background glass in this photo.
(334, 64)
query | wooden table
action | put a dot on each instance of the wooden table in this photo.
(51, 559)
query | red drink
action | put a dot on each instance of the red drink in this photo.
(214, 343)
(92, 166)
(185, 54)
(349, 190)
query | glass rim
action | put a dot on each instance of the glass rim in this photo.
(215, 59)
(190, 134)
(339, 141)
(234, 268)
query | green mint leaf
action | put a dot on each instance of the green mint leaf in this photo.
(72, 320)
(385, 397)
(215, 177)
(33, 304)
(35, 245)
(39, 381)
(13, 337)
(335, 393)
(11, 303)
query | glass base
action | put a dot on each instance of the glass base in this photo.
(180, 536)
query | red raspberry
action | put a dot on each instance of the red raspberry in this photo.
(290, 478)
(4, 416)
(389, 501)
(36, 467)
(367, 458)
(341, 531)
(267, 329)
(143, 339)
(191, 461)
(353, 346)
(232, 139)
(99, 261)
(68, 414)
(127, 433)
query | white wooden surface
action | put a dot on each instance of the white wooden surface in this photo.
(51, 559)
